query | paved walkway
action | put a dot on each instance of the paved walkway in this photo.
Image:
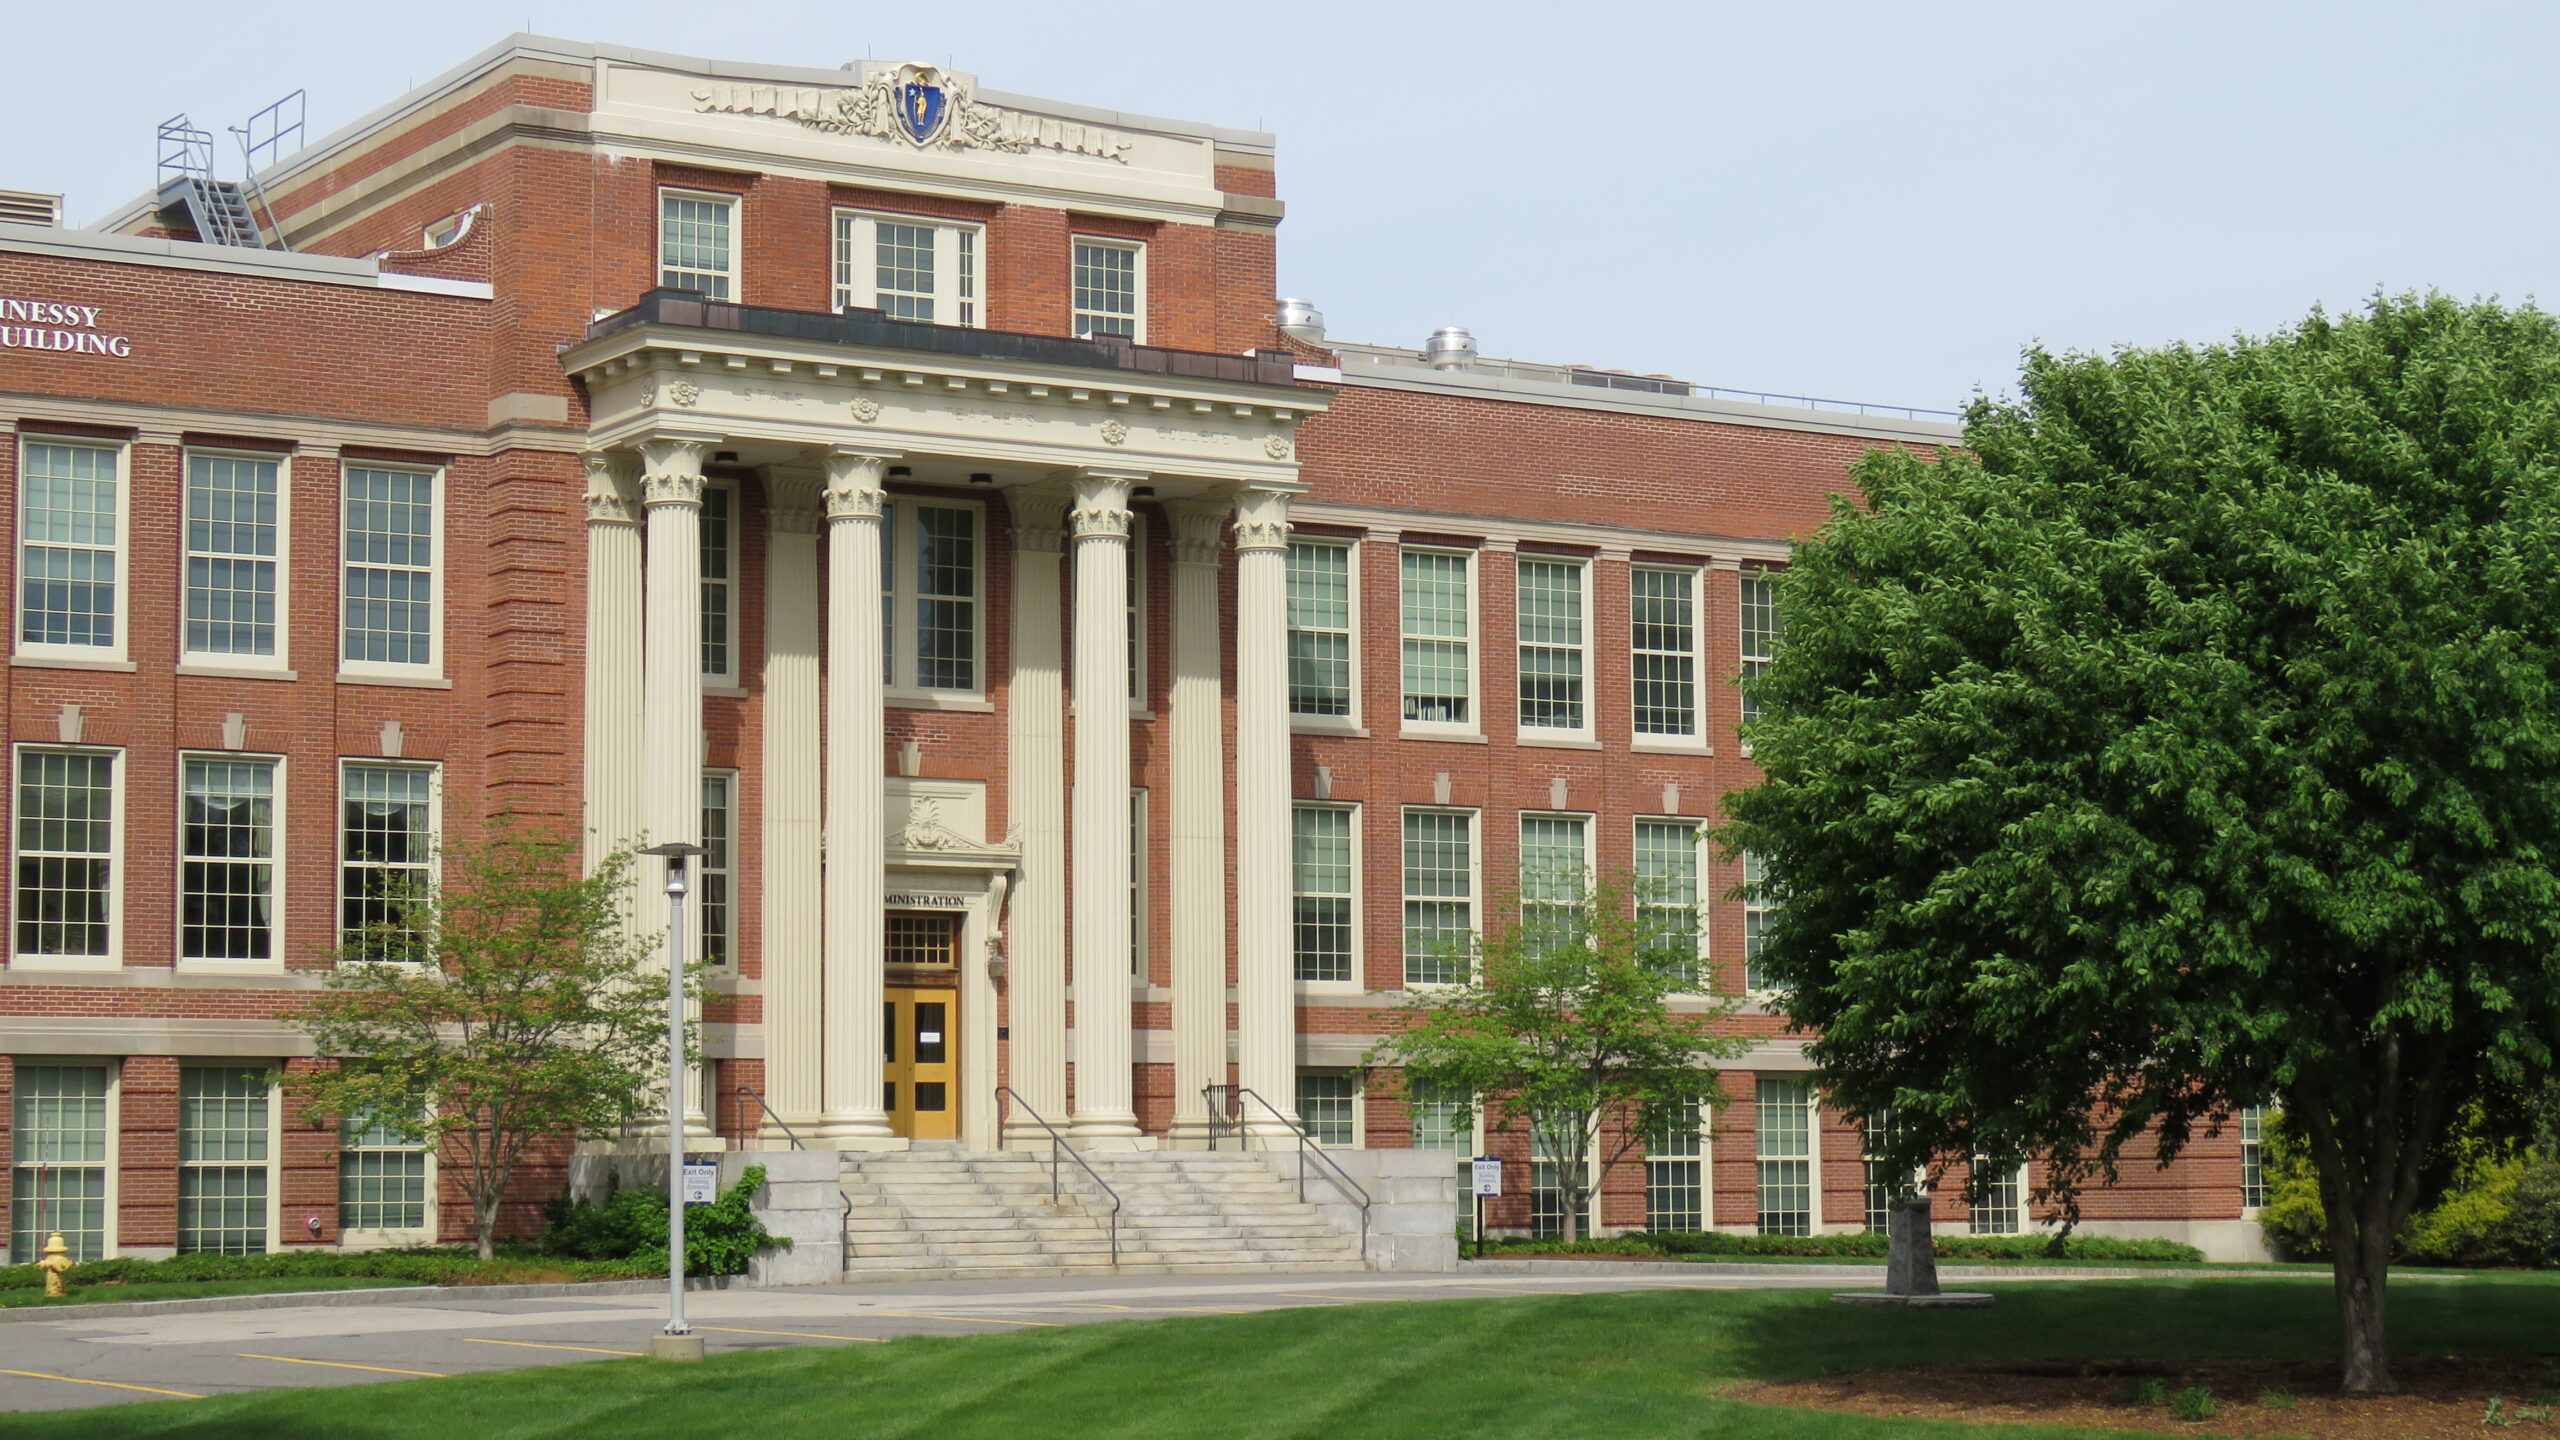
(74, 1361)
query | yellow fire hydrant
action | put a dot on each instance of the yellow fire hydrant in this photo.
(55, 1264)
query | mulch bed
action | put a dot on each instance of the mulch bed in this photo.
(2437, 1398)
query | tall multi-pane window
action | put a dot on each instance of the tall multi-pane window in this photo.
(930, 611)
(1879, 1183)
(1109, 290)
(2253, 1156)
(1784, 1122)
(1675, 1178)
(1759, 631)
(1440, 1119)
(389, 554)
(694, 247)
(385, 856)
(1546, 1190)
(1326, 1107)
(222, 1160)
(1319, 628)
(70, 524)
(58, 1160)
(907, 269)
(1437, 618)
(719, 824)
(719, 582)
(382, 1176)
(1555, 861)
(1996, 1210)
(1663, 611)
(1759, 905)
(1551, 645)
(233, 529)
(66, 823)
(1666, 878)
(227, 860)
(1439, 895)
(1320, 882)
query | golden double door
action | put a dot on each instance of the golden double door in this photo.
(920, 1079)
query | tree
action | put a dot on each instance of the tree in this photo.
(1564, 1027)
(2190, 744)
(505, 1006)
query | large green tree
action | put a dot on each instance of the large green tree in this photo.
(2189, 742)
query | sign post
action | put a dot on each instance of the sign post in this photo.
(1486, 1171)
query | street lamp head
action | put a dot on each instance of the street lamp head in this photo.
(675, 853)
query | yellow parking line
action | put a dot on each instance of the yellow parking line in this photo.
(1343, 1299)
(109, 1384)
(344, 1365)
(537, 1345)
(796, 1334)
(969, 1319)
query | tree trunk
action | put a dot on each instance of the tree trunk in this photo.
(484, 1217)
(1911, 1257)
(2361, 1271)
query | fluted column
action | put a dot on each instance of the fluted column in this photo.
(1198, 822)
(856, 828)
(1099, 809)
(671, 664)
(794, 937)
(1266, 1012)
(612, 747)
(1036, 810)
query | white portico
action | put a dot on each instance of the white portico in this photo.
(848, 421)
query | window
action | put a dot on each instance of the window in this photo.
(1321, 870)
(1880, 1188)
(1138, 884)
(232, 575)
(1437, 610)
(386, 852)
(719, 823)
(1758, 906)
(2253, 1156)
(70, 549)
(719, 583)
(1327, 1107)
(227, 860)
(382, 1177)
(58, 1160)
(1110, 290)
(907, 269)
(694, 252)
(1759, 631)
(1675, 1173)
(1441, 1120)
(1995, 1205)
(1319, 628)
(66, 835)
(1546, 1191)
(1785, 1133)
(930, 574)
(1667, 919)
(390, 558)
(1555, 861)
(929, 938)
(1551, 641)
(1439, 895)
(222, 1160)
(1663, 618)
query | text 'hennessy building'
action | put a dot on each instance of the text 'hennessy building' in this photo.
(909, 494)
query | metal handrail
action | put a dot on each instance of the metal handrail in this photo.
(844, 1202)
(1228, 1118)
(1058, 1147)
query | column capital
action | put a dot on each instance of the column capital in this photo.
(671, 468)
(1196, 527)
(1039, 519)
(854, 490)
(1102, 503)
(1262, 520)
(613, 486)
(795, 501)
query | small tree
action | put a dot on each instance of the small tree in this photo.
(508, 1004)
(1565, 1028)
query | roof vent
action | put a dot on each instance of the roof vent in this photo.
(27, 207)
(1451, 347)
(1301, 320)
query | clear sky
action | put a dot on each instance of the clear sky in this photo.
(1876, 202)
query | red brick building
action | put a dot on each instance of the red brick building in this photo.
(909, 493)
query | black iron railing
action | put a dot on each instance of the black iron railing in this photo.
(1060, 1152)
(1227, 1117)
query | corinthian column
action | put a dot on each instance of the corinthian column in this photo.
(794, 989)
(612, 748)
(1100, 809)
(857, 839)
(1036, 810)
(1198, 820)
(1266, 1014)
(671, 664)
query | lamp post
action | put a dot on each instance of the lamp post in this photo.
(677, 1341)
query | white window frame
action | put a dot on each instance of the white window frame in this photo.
(959, 252)
(729, 629)
(1474, 897)
(898, 578)
(111, 654)
(276, 870)
(434, 771)
(1355, 982)
(1359, 1105)
(2249, 1126)
(1703, 969)
(1758, 908)
(282, 560)
(1581, 649)
(1590, 1195)
(1582, 888)
(1473, 726)
(109, 1228)
(727, 276)
(1812, 1156)
(385, 1238)
(1349, 721)
(1705, 1160)
(1138, 273)
(1749, 662)
(2016, 1181)
(273, 1164)
(1694, 740)
(438, 480)
(700, 913)
(116, 847)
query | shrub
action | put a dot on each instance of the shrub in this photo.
(1866, 1246)
(2494, 1212)
(2277, 1399)
(2536, 1217)
(426, 1265)
(2145, 1390)
(2193, 1403)
(719, 1238)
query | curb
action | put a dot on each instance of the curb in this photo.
(384, 1295)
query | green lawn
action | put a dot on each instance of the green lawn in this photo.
(190, 1290)
(1627, 1367)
